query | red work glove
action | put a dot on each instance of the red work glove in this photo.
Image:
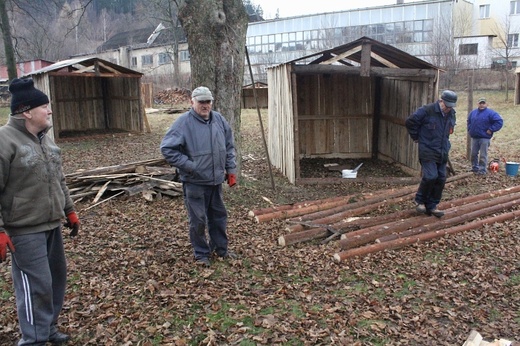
(5, 242)
(72, 223)
(231, 179)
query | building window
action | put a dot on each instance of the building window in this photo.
(147, 60)
(164, 58)
(468, 49)
(515, 7)
(512, 40)
(484, 11)
(184, 55)
(134, 61)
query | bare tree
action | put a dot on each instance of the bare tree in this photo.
(165, 12)
(507, 43)
(442, 50)
(216, 33)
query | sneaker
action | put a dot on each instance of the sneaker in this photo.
(420, 208)
(59, 338)
(204, 261)
(230, 255)
(436, 212)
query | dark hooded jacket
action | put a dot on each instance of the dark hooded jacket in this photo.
(33, 193)
(431, 129)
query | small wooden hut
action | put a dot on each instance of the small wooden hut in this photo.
(91, 95)
(248, 95)
(350, 101)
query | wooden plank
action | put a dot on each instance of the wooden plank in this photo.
(101, 191)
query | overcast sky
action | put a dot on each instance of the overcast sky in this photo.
(289, 8)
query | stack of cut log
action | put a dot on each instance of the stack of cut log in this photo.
(347, 219)
(151, 178)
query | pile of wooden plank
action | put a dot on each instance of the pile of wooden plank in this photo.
(152, 178)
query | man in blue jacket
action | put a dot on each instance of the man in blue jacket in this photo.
(200, 145)
(430, 126)
(483, 122)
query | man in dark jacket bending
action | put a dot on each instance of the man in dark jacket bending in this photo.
(200, 144)
(430, 126)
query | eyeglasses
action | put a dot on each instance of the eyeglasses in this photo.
(205, 102)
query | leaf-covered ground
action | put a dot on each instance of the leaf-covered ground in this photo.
(132, 279)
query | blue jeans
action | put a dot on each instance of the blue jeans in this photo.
(206, 208)
(479, 145)
(432, 184)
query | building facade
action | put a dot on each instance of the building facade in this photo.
(451, 34)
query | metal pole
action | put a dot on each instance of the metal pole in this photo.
(260, 120)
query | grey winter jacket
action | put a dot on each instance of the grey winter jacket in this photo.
(203, 151)
(33, 193)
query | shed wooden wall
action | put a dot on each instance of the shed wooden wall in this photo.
(335, 115)
(400, 97)
(124, 104)
(248, 99)
(281, 130)
(77, 103)
(81, 103)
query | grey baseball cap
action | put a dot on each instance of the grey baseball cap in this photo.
(202, 94)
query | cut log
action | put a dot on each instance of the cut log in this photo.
(395, 244)
(461, 214)
(493, 208)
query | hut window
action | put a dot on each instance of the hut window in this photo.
(484, 11)
(164, 58)
(512, 40)
(468, 49)
(515, 7)
(147, 60)
(184, 55)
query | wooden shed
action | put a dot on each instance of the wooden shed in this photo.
(91, 95)
(248, 95)
(350, 101)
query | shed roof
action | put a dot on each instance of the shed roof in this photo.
(382, 55)
(87, 65)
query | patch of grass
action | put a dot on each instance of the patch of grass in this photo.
(514, 280)
(4, 114)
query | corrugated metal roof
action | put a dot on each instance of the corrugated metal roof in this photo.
(86, 65)
(382, 55)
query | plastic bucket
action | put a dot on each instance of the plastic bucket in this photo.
(512, 168)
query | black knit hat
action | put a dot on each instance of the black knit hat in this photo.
(24, 96)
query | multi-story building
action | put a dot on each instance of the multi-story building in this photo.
(451, 34)
(447, 33)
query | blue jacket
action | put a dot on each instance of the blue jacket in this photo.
(431, 129)
(479, 121)
(202, 151)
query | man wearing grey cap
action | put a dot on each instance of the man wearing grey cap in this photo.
(483, 122)
(430, 126)
(200, 145)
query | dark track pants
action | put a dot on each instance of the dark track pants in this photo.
(39, 276)
(432, 184)
(205, 207)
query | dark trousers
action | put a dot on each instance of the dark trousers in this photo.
(39, 273)
(205, 208)
(432, 184)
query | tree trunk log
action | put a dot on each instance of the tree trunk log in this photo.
(395, 244)
(461, 214)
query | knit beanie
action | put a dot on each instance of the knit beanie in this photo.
(24, 96)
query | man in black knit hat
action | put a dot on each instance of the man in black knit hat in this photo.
(34, 198)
